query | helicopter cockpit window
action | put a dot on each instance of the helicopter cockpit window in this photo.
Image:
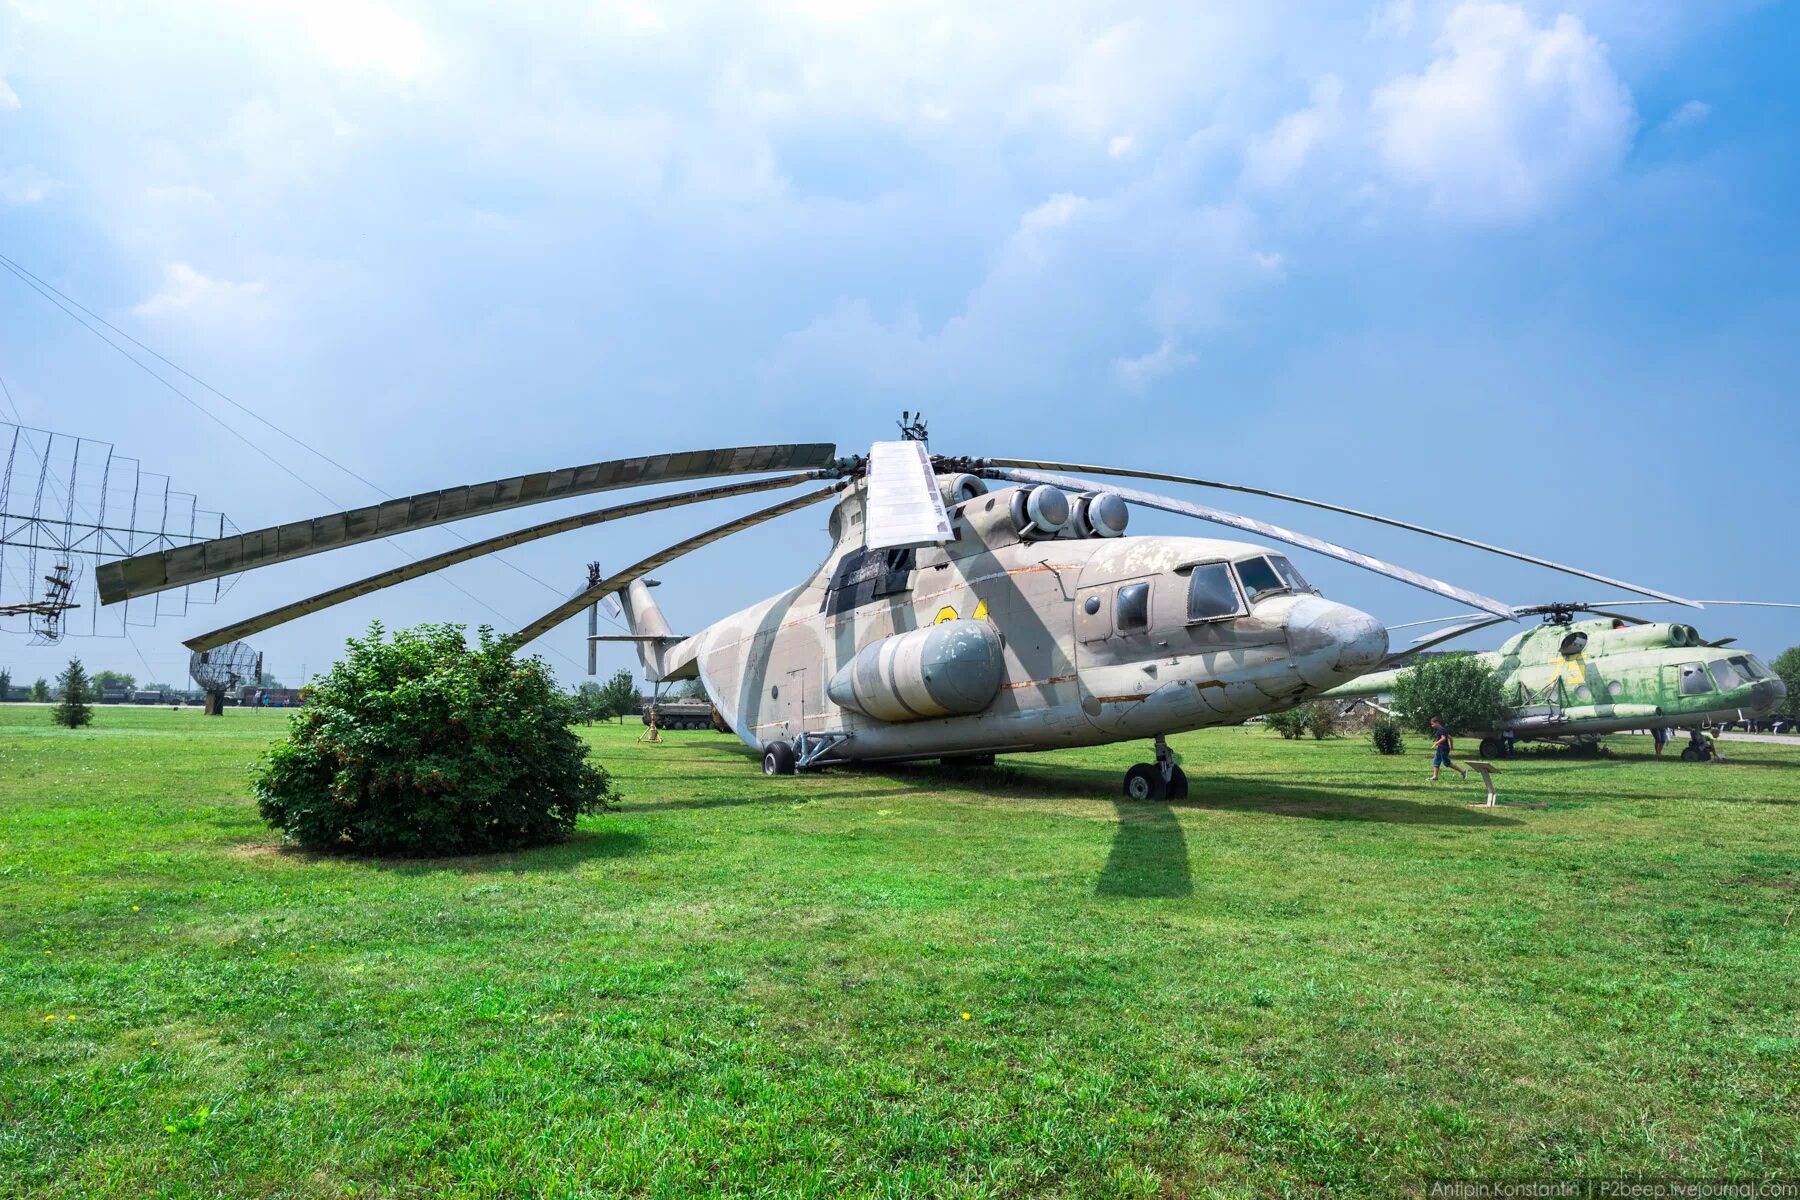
(1727, 673)
(1133, 611)
(1259, 578)
(1211, 593)
(1574, 643)
(1694, 679)
(1289, 573)
(1750, 666)
(863, 576)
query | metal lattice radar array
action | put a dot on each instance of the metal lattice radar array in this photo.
(69, 504)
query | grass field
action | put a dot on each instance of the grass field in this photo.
(1323, 975)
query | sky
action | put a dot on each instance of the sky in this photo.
(1525, 271)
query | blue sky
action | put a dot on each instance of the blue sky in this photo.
(1525, 271)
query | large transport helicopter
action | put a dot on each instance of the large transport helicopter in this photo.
(1571, 681)
(947, 620)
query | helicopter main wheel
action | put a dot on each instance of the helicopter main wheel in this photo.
(1145, 782)
(778, 759)
(1491, 748)
(1693, 754)
(1177, 789)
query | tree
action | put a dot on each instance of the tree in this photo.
(619, 695)
(111, 681)
(73, 709)
(588, 706)
(420, 745)
(691, 689)
(1787, 665)
(1458, 689)
(40, 691)
(5, 685)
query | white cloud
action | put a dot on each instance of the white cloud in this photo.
(1278, 154)
(1509, 118)
(1166, 359)
(1394, 19)
(1687, 116)
(23, 186)
(9, 99)
(1121, 145)
(356, 35)
(186, 290)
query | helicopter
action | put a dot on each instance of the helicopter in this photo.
(1569, 681)
(950, 619)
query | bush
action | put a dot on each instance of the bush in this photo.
(1321, 719)
(1290, 724)
(1386, 736)
(1459, 689)
(423, 746)
(72, 708)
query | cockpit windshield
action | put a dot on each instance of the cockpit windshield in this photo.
(1290, 573)
(1259, 578)
(1727, 673)
(1739, 670)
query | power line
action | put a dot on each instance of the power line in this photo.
(31, 279)
(66, 305)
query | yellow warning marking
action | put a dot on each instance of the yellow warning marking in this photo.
(981, 612)
(945, 613)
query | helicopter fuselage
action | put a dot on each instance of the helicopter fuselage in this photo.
(1095, 639)
(1587, 678)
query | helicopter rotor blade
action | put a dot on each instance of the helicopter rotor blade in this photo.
(461, 554)
(1740, 603)
(1350, 512)
(1433, 621)
(1274, 532)
(616, 583)
(144, 574)
(1427, 640)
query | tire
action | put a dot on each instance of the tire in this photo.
(1178, 786)
(1689, 754)
(778, 759)
(1491, 748)
(1144, 782)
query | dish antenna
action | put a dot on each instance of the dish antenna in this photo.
(224, 668)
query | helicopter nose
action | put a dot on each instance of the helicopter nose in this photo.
(1766, 695)
(1334, 642)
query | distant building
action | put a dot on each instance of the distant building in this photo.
(264, 697)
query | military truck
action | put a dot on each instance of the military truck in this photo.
(685, 714)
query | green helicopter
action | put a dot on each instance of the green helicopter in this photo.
(1570, 681)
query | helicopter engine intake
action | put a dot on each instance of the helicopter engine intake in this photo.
(949, 669)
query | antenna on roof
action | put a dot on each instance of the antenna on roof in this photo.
(912, 427)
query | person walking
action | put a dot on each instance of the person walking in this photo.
(1441, 744)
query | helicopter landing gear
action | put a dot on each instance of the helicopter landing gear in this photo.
(778, 759)
(1160, 780)
(1492, 748)
(1696, 750)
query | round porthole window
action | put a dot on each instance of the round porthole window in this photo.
(1092, 606)
(1583, 693)
(1614, 688)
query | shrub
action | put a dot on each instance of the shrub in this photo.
(1290, 724)
(72, 708)
(1385, 734)
(1460, 689)
(420, 745)
(1321, 719)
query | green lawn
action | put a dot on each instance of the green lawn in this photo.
(1323, 975)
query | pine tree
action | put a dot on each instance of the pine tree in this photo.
(5, 685)
(40, 692)
(73, 710)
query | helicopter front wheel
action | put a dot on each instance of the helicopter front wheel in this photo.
(1145, 782)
